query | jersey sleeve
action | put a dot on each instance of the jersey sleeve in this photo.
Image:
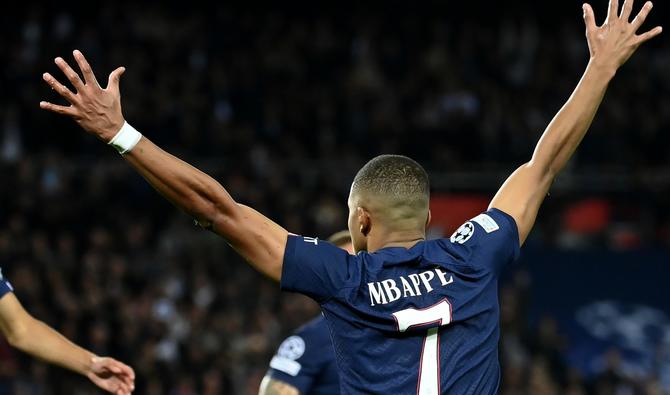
(317, 268)
(5, 286)
(490, 239)
(298, 361)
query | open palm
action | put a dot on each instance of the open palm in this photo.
(616, 39)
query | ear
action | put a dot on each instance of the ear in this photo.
(430, 217)
(363, 221)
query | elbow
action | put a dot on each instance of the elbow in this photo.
(207, 206)
(544, 171)
(17, 334)
(210, 215)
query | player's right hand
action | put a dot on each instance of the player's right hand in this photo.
(95, 109)
(112, 376)
(611, 44)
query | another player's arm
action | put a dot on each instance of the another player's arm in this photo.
(270, 386)
(610, 45)
(34, 337)
(258, 239)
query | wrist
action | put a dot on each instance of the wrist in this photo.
(602, 68)
(87, 363)
(125, 139)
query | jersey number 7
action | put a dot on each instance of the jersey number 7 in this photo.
(429, 368)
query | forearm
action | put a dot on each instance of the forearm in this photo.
(523, 192)
(39, 340)
(567, 129)
(188, 188)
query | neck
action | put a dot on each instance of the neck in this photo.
(404, 239)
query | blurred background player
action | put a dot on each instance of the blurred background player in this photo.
(36, 338)
(305, 362)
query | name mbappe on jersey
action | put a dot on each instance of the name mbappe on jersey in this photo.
(390, 290)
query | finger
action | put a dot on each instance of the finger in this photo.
(118, 367)
(127, 381)
(649, 35)
(132, 373)
(626, 10)
(613, 10)
(85, 68)
(63, 110)
(115, 78)
(58, 87)
(642, 15)
(71, 75)
(589, 18)
(127, 371)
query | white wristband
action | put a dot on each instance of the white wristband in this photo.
(126, 139)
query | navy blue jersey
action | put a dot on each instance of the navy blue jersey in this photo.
(306, 360)
(422, 320)
(5, 286)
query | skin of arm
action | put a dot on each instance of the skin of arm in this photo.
(258, 239)
(34, 337)
(270, 386)
(21, 330)
(610, 46)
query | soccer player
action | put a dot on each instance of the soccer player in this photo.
(305, 362)
(406, 315)
(34, 337)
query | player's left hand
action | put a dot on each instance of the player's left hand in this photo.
(112, 376)
(612, 43)
(95, 109)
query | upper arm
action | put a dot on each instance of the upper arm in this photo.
(258, 239)
(489, 240)
(521, 196)
(270, 386)
(317, 268)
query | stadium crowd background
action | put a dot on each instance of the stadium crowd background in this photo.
(283, 108)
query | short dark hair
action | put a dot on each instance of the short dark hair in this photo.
(396, 178)
(340, 238)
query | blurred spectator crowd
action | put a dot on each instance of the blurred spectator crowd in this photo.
(283, 108)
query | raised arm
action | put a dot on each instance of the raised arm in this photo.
(610, 45)
(258, 239)
(36, 338)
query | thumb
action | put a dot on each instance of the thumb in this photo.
(114, 78)
(589, 18)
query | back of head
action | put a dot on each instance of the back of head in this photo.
(395, 189)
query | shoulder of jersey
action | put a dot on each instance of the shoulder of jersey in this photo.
(468, 229)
